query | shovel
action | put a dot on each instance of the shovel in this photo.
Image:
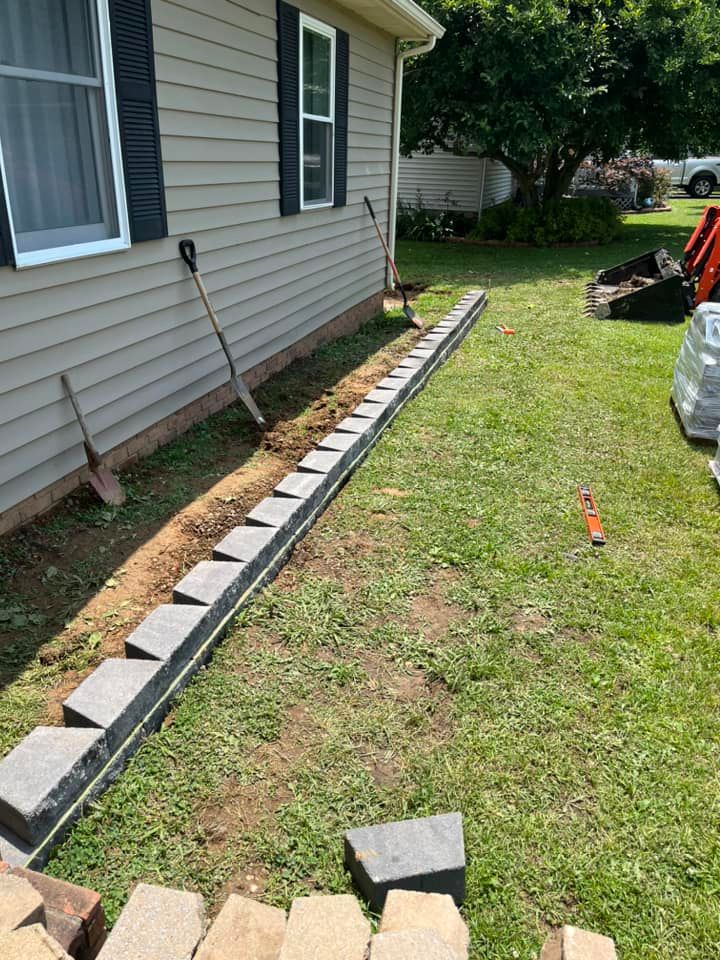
(101, 478)
(189, 255)
(407, 309)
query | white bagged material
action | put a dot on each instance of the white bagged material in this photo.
(696, 383)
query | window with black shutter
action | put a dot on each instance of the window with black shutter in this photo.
(80, 164)
(313, 67)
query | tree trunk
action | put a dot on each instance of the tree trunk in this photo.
(559, 173)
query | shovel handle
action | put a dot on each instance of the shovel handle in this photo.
(90, 449)
(189, 254)
(369, 206)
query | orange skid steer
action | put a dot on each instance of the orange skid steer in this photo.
(654, 287)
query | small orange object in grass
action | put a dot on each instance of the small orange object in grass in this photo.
(592, 519)
(506, 330)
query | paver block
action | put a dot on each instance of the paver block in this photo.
(390, 383)
(13, 849)
(354, 425)
(370, 410)
(254, 546)
(572, 943)
(157, 924)
(410, 910)
(412, 363)
(329, 462)
(215, 584)
(20, 903)
(31, 943)
(410, 945)
(326, 928)
(301, 486)
(43, 776)
(431, 341)
(244, 930)
(339, 441)
(402, 373)
(421, 353)
(117, 696)
(280, 512)
(67, 901)
(382, 395)
(446, 325)
(67, 931)
(171, 633)
(426, 854)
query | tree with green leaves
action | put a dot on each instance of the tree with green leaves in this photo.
(541, 84)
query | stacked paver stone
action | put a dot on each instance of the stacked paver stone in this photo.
(46, 781)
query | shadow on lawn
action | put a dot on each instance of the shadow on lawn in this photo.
(51, 568)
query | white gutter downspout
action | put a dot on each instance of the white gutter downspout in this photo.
(400, 59)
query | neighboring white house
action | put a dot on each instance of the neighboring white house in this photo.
(125, 125)
(471, 183)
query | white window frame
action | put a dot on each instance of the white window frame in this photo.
(325, 30)
(34, 258)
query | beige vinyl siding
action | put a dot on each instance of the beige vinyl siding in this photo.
(445, 181)
(129, 326)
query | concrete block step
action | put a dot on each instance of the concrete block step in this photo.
(410, 945)
(157, 924)
(436, 912)
(244, 929)
(326, 928)
(20, 904)
(31, 943)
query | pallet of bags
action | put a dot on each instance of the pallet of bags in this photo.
(696, 382)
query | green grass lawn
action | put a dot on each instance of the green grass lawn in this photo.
(446, 639)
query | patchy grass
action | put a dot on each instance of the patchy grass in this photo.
(446, 638)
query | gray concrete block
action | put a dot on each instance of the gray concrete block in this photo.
(280, 512)
(254, 546)
(44, 775)
(356, 425)
(391, 383)
(20, 903)
(403, 373)
(300, 486)
(371, 410)
(426, 855)
(413, 363)
(421, 353)
(431, 341)
(13, 849)
(340, 441)
(117, 697)
(172, 633)
(157, 924)
(214, 584)
(383, 395)
(329, 462)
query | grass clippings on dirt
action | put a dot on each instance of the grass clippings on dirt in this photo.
(447, 639)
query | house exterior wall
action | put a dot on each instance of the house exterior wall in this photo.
(129, 326)
(438, 174)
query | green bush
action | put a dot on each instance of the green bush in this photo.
(415, 221)
(571, 220)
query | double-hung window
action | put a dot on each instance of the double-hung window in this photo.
(60, 153)
(317, 112)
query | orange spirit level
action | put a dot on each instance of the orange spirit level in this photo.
(592, 520)
(506, 330)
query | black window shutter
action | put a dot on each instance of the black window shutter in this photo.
(289, 106)
(133, 56)
(342, 74)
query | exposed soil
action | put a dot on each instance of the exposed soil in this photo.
(146, 561)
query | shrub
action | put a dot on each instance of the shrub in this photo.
(661, 185)
(416, 222)
(571, 220)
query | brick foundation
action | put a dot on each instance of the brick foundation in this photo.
(177, 423)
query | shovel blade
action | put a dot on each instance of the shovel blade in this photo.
(412, 316)
(242, 391)
(106, 486)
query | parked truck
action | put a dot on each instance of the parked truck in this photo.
(699, 177)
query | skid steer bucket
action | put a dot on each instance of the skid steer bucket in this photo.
(650, 287)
